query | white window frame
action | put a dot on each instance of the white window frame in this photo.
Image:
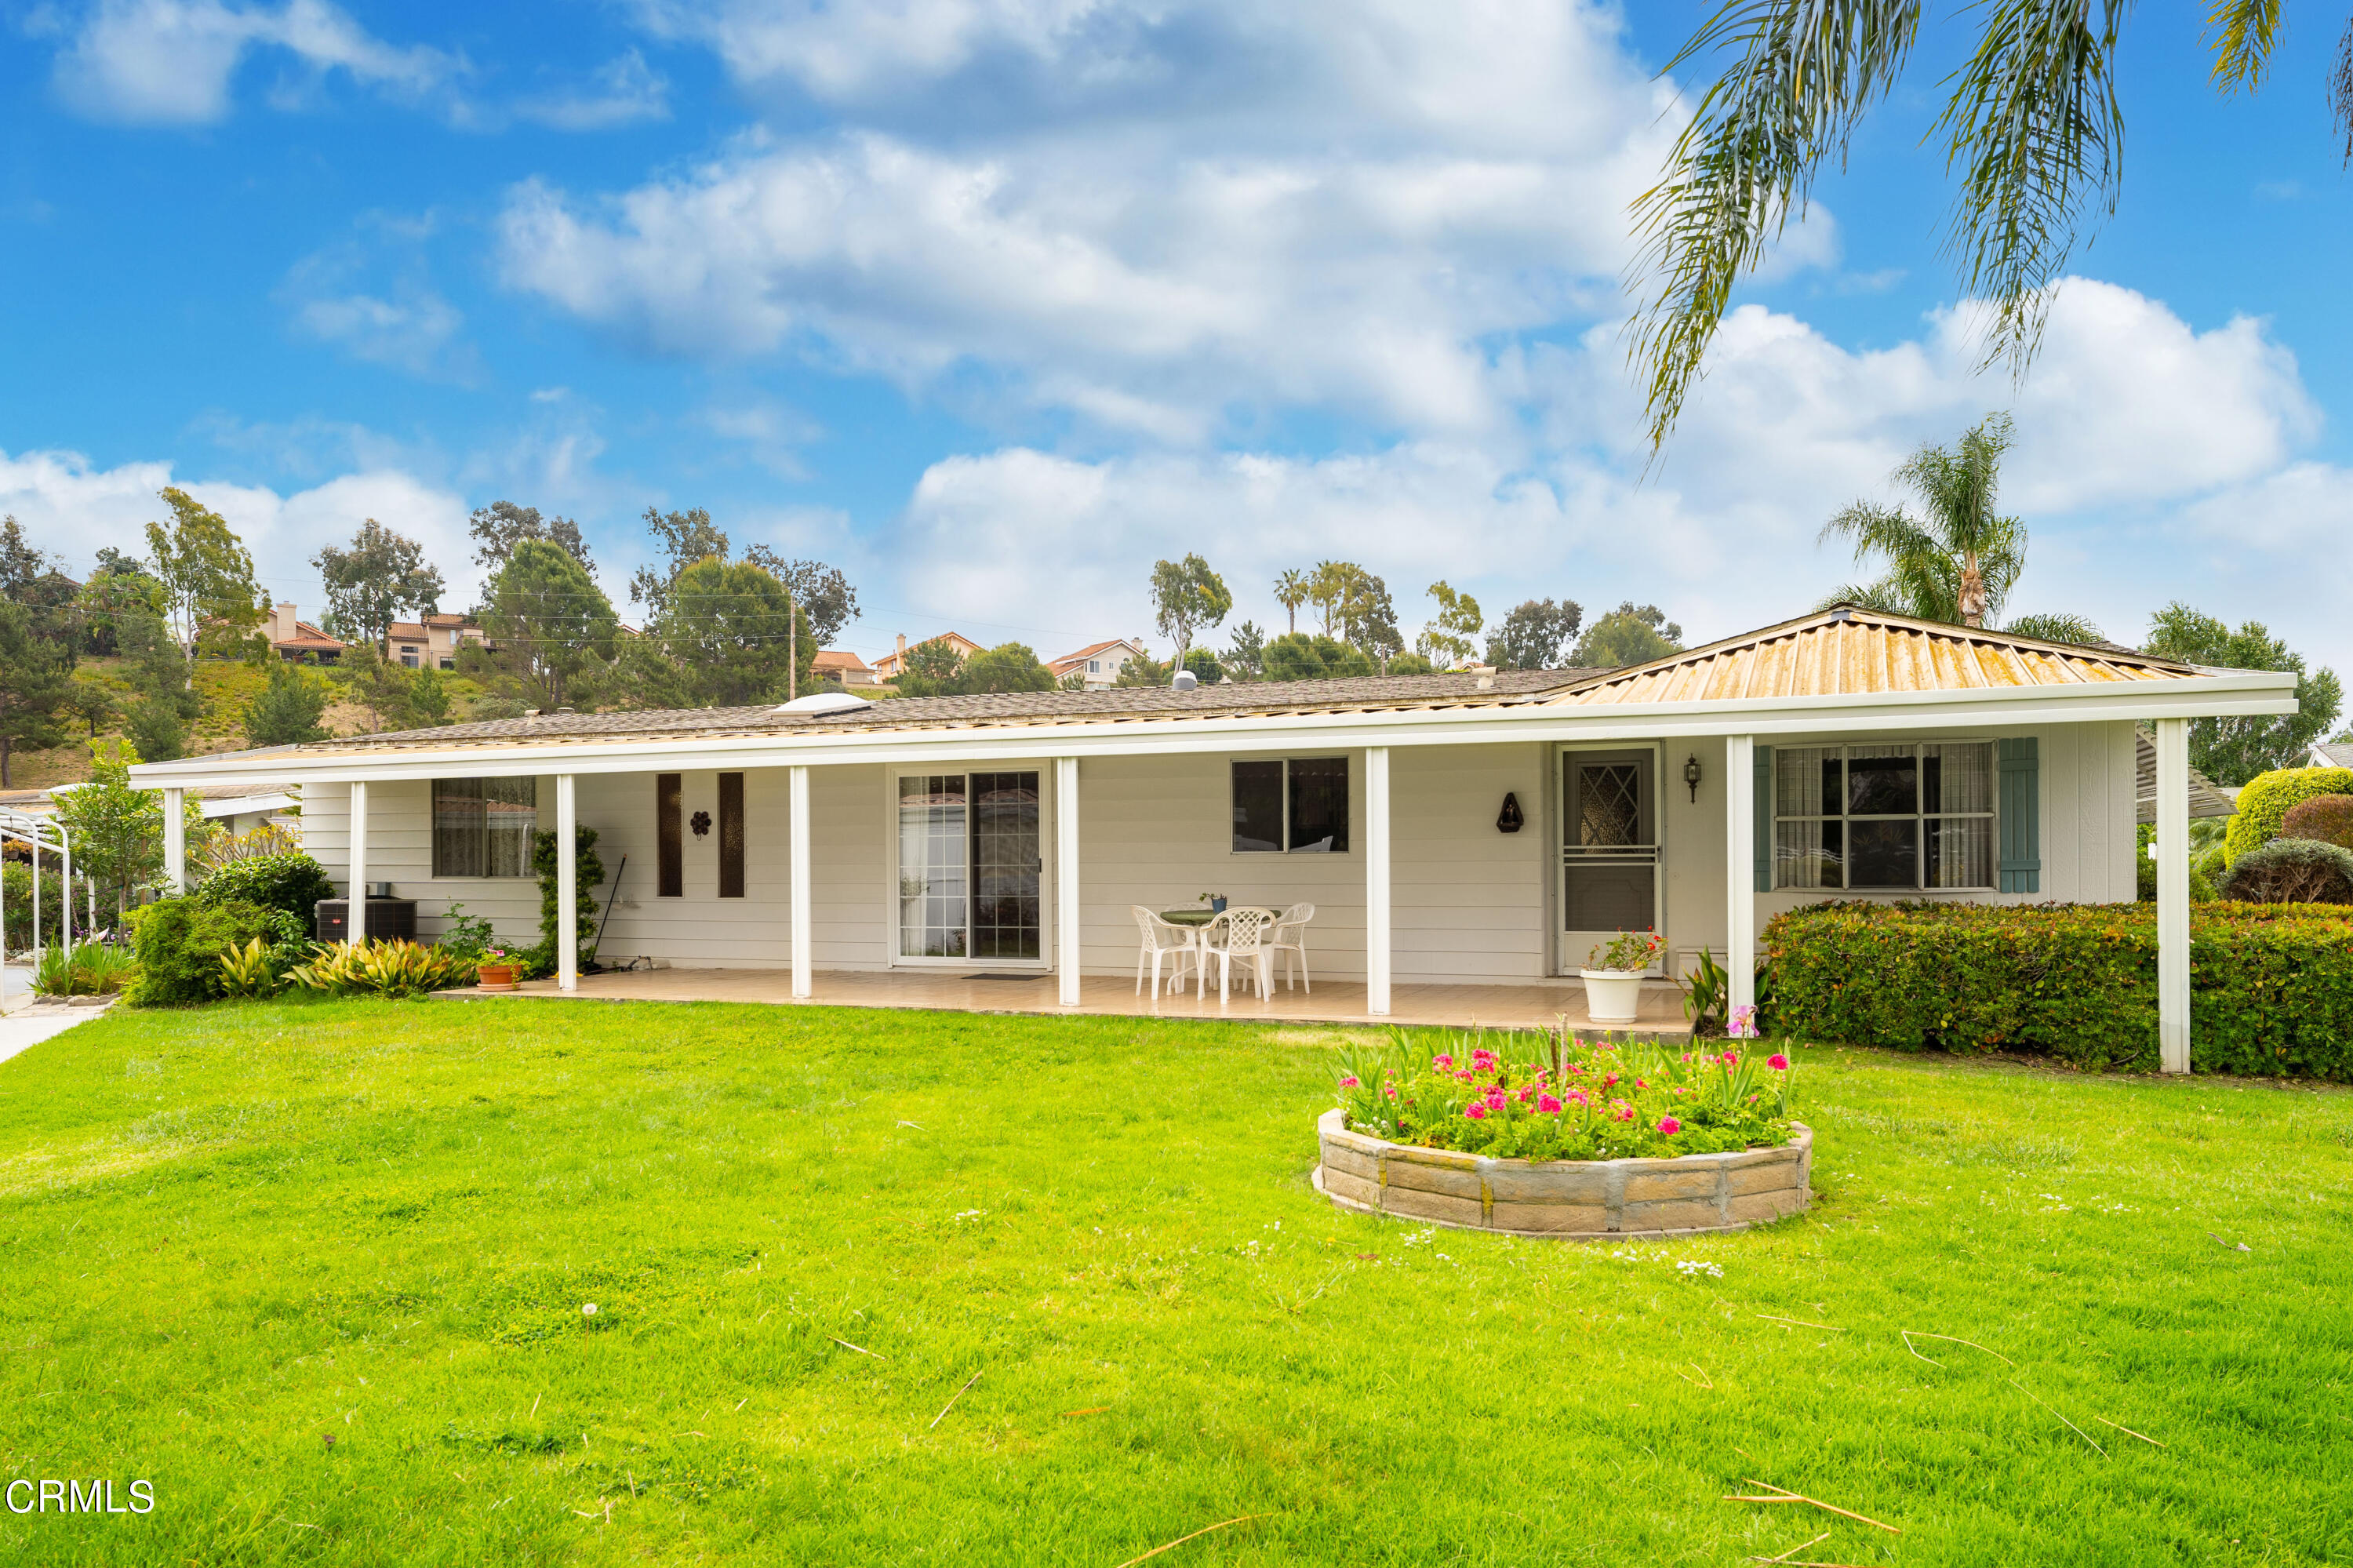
(1919, 886)
(1349, 794)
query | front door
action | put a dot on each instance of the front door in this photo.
(969, 866)
(1609, 847)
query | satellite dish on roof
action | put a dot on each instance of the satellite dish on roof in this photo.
(1185, 680)
(825, 703)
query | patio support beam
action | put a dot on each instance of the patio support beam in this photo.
(355, 874)
(175, 846)
(1740, 870)
(2172, 849)
(1376, 880)
(800, 913)
(1066, 877)
(567, 884)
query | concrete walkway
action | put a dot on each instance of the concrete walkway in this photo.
(26, 1027)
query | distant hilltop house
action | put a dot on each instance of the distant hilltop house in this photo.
(892, 665)
(300, 643)
(430, 642)
(841, 667)
(1099, 663)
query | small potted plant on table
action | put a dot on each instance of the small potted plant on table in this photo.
(1613, 974)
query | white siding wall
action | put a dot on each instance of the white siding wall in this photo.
(1469, 902)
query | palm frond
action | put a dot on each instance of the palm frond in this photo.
(2340, 88)
(1881, 595)
(2035, 127)
(2243, 33)
(1806, 71)
(2056, 626)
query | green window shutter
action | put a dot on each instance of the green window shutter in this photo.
(1764, 819)
(2022, 817)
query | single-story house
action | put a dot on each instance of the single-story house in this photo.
(894, 665)
(1099, 663)
(1467, 828)
(2332, 754)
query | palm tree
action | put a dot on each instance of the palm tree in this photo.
(2034, 127)
(1958, 561)
(1290, 591)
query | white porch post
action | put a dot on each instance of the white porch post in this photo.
(64, 893)
(175, 846)
(355, 874)
(1740, 868)
(567, 885)
(799, 856)
(1066, 877)
(2173, 896)
(1376, 880)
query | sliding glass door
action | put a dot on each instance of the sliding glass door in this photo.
(970, 867)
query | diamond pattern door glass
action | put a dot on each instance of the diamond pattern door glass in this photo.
(1609, 804)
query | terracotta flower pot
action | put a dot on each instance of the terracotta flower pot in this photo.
(497, 977)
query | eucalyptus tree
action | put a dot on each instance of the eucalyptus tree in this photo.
(2032, 127)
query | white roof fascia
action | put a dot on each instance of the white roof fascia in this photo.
(244, 805)
(2260, 693)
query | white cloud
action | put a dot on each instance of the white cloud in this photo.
(625, 92)
(72, 509)
(171, 61)
(1395, 189)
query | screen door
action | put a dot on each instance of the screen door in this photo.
(1609, 850)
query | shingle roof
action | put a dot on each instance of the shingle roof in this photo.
(1367, 693)
(1848, 652)
(2339, 753)
(2205, 799)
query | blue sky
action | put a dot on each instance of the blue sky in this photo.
(995, 301)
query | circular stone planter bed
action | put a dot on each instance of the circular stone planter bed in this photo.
(1573, 1200)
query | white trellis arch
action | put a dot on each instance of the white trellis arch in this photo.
(42, 834)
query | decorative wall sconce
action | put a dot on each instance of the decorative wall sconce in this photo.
(1692, 775)
(699, 822)
(1509, 820)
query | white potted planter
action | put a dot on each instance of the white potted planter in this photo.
(1613, 974)
(1612, 996)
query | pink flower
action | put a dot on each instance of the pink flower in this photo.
(1464, 1074)
(1476, 1110)
(1639, 1085)
(1390, 1090)
(1495, 1099)
(1610, 1081)
(1578, 1095)
(1731, 1059)
(1670, 1126)
(1548, 1105)
(1348, 1083)
(1441, 1061)
(1482, 1059)
(1778, 1062)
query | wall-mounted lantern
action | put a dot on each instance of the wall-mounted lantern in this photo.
(699, 822)
(1692, 775)
(1509, 820)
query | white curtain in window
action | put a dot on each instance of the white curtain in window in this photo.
(1806, 855)
(1958, 776)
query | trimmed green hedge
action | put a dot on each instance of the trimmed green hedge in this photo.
(2264, 803)
(2270, 985)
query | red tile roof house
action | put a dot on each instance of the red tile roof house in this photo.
(842, 667)
(1100, 662)
(1843, 755)
(430, 642)
(892, 665)
(299, 641)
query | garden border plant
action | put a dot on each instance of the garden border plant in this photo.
(1586, 1140)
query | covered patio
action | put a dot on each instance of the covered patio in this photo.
(1532, 1005)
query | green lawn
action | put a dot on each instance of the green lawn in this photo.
(230, 1236)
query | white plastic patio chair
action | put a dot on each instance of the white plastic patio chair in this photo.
(1163, 940)
(1238, 934)
(1289, 938)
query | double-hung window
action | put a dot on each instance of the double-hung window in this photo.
(483, 827)
(1902, 816)
(1300, 805)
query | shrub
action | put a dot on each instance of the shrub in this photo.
(294, 882)
(179, 942)
(2292, 870)
(1577, 1102)
(588, 872)
(91, 970)
(2329, 818)
(2270, 985)
(2264, 803)
(385, 966)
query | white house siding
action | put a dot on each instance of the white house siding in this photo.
(2086, 775)
(400, 851)
(1466, 900)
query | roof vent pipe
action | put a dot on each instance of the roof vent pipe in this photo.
(1185, 680)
